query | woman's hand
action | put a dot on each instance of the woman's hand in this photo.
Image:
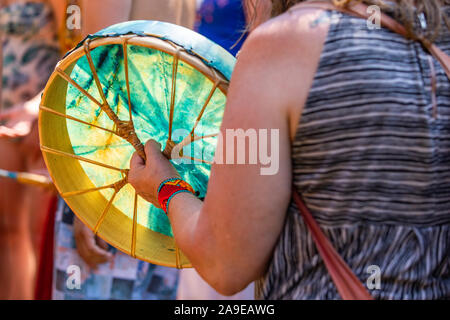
(146, 176)
(18, 122)
(92, 250)
(20, 118)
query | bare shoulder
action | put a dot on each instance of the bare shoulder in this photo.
(282, 56)
(293, 39)
(296, 27)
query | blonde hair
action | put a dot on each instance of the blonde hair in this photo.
(405, 11)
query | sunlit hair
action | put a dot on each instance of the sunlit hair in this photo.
(405, 11)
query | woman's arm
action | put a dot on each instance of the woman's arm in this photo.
(229, 238)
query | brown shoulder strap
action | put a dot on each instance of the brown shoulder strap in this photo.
(347, 284)
(360, 10)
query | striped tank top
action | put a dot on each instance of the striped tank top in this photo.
(371, 158)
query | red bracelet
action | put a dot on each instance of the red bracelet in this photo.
(169, 188)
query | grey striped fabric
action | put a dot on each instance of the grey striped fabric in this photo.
(373, 165)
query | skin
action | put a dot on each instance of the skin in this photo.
(230, 243)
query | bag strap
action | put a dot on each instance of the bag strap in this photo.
(359, 9)
(347, 284)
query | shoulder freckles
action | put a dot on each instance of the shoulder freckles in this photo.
(290, 42)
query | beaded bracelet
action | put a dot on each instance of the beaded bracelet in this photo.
(169, 188)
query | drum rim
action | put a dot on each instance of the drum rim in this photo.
(152, 42)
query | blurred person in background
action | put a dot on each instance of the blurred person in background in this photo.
(227, 22)
(30, 50)
(222, 21)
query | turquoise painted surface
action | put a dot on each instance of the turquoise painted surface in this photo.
(150, 75)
